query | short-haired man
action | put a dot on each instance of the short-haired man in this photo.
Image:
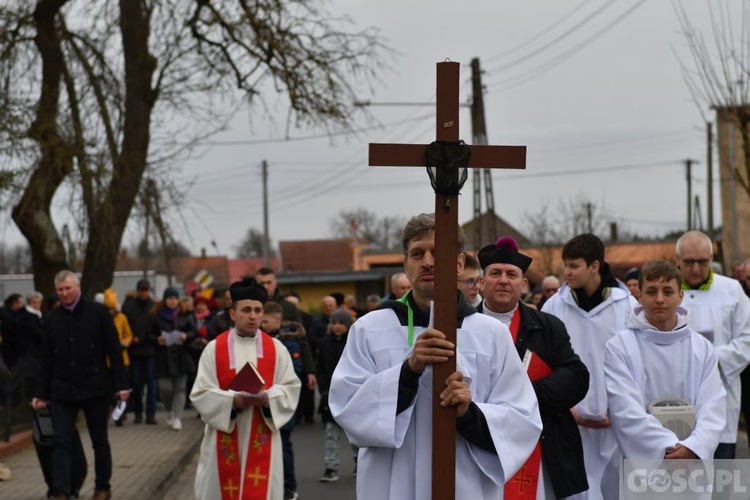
(550, 286)
(719, 311)
(382, 398)
(594, 306)
(468, 280)
(372, 302)
(660, 356)
(241, 454)
(81, 369)
(266, 277)
(399, 286)
(559, 377)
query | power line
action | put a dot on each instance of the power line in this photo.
(310, 137)
(533, 38)
(554, 41)
(543, 68)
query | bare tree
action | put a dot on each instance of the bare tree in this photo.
(382, 232)
(252, 245)
(719, 74)
(90, 92)
(575, 215)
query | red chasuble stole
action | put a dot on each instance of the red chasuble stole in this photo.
(524, 484)
(258, 464)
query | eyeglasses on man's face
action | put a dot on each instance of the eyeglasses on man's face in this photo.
(470, 283)
(691, 262)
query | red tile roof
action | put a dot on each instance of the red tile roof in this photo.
(316, 255)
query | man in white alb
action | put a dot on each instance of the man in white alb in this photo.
(381, 390)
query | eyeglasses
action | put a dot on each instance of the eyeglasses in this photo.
(691, 262)
(470, 283)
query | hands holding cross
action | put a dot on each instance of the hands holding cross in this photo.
(432, 347)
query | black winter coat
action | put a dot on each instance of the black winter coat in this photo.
(329, 355)
(76, 347)
(175, 359)
(141, 320)
(546, 336)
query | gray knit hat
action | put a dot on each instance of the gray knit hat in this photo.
(342, 316)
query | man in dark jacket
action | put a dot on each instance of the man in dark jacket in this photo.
(559, 377)
(138, 312)
(79, 336)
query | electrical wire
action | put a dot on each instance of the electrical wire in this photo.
(543, 68)
(538, 35)
(525, 58)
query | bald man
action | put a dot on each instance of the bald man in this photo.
(720, 311)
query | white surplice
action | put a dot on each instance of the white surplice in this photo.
(589, 332)
(643, 364)
(395, 450)
(215, 408)
(722, 315)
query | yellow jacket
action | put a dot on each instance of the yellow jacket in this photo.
(125, 333)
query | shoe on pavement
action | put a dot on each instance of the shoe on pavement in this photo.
(102, 495)
(329, 476)
(58, 496)
(290, 495)
(138, 419)
(151, 420)
(176, 424)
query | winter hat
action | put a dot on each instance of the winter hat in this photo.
(143, 285)
(633, 274)
(110, 298)
(504, 251)
(170, 291)
(342, 316)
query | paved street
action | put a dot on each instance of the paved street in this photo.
(155, 462)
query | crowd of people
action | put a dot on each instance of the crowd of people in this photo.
(574, 365)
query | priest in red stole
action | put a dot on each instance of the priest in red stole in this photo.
(241, 456)
(555, 468)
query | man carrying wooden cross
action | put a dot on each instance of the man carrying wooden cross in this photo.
(381, 390)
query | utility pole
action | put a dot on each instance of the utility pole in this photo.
(265, 212)
(697, 215)
(479, 137)
(688, 174)
(710, 181)
(589, 210)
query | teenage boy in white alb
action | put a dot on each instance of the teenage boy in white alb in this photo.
(594, 306)
(659, 356)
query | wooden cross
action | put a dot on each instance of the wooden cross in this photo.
(446, 250)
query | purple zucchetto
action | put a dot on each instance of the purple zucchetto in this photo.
(503, 251)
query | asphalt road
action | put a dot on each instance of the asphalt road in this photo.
(308, 458)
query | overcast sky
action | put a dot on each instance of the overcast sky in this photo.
(593, 88)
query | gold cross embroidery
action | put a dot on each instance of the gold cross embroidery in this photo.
(257, 477)
(231, 488)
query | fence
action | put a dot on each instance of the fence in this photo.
(16, 390)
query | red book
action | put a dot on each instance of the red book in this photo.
(247, 380)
